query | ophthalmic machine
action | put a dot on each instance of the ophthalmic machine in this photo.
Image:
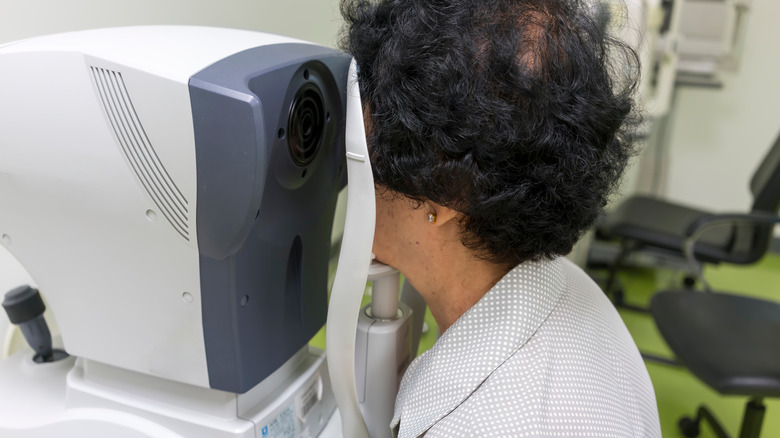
(171, 191)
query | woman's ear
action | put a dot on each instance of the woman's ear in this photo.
(439, 215)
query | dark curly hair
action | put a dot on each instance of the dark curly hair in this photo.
(516, 113)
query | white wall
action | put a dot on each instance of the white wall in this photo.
(718, 137)
(313, 20)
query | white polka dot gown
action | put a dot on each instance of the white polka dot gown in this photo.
(542, 354)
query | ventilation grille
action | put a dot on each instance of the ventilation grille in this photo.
(138, 149)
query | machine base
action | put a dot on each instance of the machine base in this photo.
(77, 397)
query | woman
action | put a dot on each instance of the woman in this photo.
(497, 131)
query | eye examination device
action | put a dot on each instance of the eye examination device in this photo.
(171, 191)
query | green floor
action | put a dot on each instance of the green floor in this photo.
(677, 391)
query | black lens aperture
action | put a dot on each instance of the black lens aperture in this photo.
(306, 124)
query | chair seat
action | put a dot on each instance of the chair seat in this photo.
(659, 223)
(730, 342)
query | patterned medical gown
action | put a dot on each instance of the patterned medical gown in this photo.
(543, 354)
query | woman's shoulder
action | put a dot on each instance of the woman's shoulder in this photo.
(559, 385)
(579, 373)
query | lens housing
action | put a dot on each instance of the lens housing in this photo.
(306, 124)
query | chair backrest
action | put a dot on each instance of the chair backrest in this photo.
(751, 242)
(765, 184)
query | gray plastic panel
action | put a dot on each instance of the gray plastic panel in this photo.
(264, 222)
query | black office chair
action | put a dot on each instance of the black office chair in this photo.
(644, 223)
(730, 342)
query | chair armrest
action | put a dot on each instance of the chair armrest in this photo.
(758, 217)
(698, 228)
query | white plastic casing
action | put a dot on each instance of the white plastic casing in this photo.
(122, 282)
(354, 261)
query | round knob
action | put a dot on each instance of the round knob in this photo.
(23, 304)
(25, 308)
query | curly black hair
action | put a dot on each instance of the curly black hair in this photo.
(517, 113)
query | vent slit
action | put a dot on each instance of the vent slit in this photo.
(136, 155)
(177, 194)
(130, 153)
(138, 149)
(141, 158)
(160, 173)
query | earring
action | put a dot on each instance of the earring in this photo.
(431, 218)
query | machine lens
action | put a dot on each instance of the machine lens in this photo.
(306, 124)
